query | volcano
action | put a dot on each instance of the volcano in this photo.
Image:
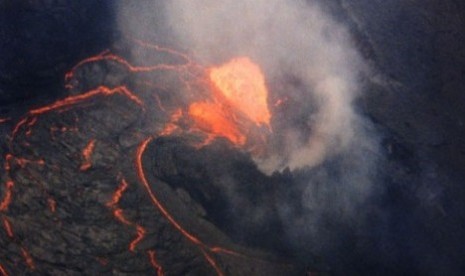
(307, 138)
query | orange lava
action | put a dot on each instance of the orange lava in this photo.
(3, 271)
(28, 258)
(154, 263)
(118, 214)
(155, 201)
(140, 236)
(239, 100)
(202, 246)
(215, 119)
(52, 204)
(86, 155)
(242, 83)
(8, 195)
(8, 228)
(74, 100)
(212, 262)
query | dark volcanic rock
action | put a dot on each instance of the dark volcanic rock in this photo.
(64, 217)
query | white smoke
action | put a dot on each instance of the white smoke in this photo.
(286, 38)
(321, 130)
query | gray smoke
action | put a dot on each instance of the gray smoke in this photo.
(285, 38)
(319, 131)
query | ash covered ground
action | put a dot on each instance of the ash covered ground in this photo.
(103, 175)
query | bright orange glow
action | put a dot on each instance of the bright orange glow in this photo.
(8, 194)
(215, 119)
(118, 214)
(154, 263)
(193, 239)
(239, 100)
(242, 83)
(52, 204)
(28, 259)
(8, 228)
(3, 271)
(87, 154)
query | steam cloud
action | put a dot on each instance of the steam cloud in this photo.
(310, 62)
(287, 38)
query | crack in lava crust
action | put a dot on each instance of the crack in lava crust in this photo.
(140, 172)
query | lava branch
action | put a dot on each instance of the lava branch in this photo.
(87, 155)
(118, 214)
(108, 56)
(8, 227)
(72, 101)
(154, 263)
(4, 120)
(141, 174)
(212, 262)
(28, 259)
(8, 196)
(7, 199)
(3, 271)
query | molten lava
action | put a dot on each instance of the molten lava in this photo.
(217, 120)
(238, 101)
(242, 83)
(240, 97)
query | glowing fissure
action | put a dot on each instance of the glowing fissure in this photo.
(118, 214)
(238, 93)
(153, 261)
(239, 98)
(242, 83)
(216, 120)
(28, 259)
(87, 155)
(8, 196)
(140, 172)
(73, 101)
(8, 227)
(3, 271)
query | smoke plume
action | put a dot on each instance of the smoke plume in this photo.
(289, 39)
(311, 67)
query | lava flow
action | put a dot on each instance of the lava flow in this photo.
(118, 214)
(242, 83)
(239, 100)
(236, 101)
(87, 155)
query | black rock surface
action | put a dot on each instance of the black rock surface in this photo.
(60, 220)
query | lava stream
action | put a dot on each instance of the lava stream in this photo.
(141, 174)
(3, 271)
(118, 214)
(87, 155)
(242, 83)
(154, 263)
(74, 100)
(8, 227)
(28, 259)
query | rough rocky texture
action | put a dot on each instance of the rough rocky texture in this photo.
(62, 219)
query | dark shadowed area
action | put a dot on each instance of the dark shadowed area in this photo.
(105, 171)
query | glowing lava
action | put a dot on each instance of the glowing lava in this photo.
(87, 155)
(237, 102)
(154, 263)
(216, 120)
(118, 214)
(242, 83)
(3, 271)
(240, 98)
